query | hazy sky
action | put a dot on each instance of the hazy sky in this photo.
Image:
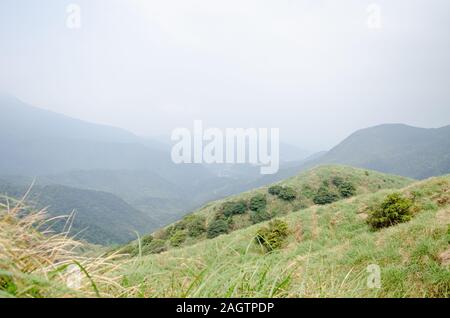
(312, 68)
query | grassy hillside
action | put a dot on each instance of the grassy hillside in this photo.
(398, 149)
(326, 254)
(324, 184)
(325, 251)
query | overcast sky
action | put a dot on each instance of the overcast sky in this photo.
(312, 68)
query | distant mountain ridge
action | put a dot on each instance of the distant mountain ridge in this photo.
(60, 151)
(20, 119)
(396, 149)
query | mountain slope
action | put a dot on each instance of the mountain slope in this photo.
(330, 252)
(61, 150)
(316, 185)
(100, 217)
(399, 149)
(162, 200)
(42, 142)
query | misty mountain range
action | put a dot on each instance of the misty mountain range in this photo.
(118, 182)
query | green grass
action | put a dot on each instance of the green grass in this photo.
(326, 255)
(305, 185)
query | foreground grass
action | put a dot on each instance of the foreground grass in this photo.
(328, 253)
(36, 262)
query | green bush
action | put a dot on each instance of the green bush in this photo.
(217, 227)
(273, 236)
(166, 233)
(180, 226)
(393, 210)
(325, 196)
(260, 216)
(287, 194)
(275, 190)
(284, 193)
(258, 202)
(132, 249)
(146, 240)
(346, 188)
(155, 247)
(233, 208)
(196, 226)
(338, 181)
(178, 238)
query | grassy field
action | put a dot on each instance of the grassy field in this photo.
(327, 255)
(330, 251)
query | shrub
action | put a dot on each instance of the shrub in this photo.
(178, 238)
(393, 210)
(325, 196)
(217, 227)
(260, 216)
(196, 226)
(258, 202)
(166, 233)
(233, 208)
(347, 189)
(273, 236)
(287, 194)
(132, 249)
(338, 181)
(180, 226)
(146, 240)
(155, 247)
(275, 190)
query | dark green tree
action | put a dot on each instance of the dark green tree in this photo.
(196, 226)
(232, 208)
(275, 190)
(325, 196)
(217, 227)
(178, 238)
(260, 216)
(258, 202)
(287, 194)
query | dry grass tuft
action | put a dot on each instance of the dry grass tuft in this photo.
(37, 262)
